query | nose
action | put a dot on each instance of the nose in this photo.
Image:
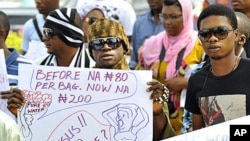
(213, 38)
(45, 38)
(106, 47)
(166, 21)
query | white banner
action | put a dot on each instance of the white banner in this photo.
(218, 132)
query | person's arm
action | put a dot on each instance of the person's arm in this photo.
(162, 128)
(176, 84)
(197, 121)
(162, 125)
(159, 122)
(15, 101)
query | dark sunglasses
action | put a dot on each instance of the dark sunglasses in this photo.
(90, 20)
(48, 33)
(98, 44)
(219, 32)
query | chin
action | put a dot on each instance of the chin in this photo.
(215, 57)
(108, 66)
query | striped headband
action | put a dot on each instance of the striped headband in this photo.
(62, 22)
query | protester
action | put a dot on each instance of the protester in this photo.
(92, 10)
(226, 75)
(32, 29)
(108, 46)
(171, 51)
(63, 38)
(244, 30)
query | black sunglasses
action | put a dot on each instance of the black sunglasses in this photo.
(48, 33)
(98, 44)
(220, 32)
(90, 20)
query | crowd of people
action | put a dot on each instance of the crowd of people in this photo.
(169, 39)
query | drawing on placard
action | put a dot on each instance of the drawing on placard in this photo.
(127, 120)
(26, 121)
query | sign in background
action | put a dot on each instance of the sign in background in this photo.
(4, 83)
(76, 104)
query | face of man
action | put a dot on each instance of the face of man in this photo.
(155, 4)
(52, 42)
(241, 5)
(108, 57)
(219, 36)
(46, 6)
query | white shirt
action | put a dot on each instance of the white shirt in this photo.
(9, 130)
(30, 33)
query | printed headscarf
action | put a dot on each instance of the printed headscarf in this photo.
(84, 7)
(62, 21)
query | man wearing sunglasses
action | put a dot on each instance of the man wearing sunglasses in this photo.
(62, 35)
(64, 39)
(108, 45)
(225, 78)
(32, 30)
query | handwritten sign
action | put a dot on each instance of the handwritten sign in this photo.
(36, 49)
(4, 83)
(79, 104)
(218, 132)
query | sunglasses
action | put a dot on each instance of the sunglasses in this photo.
(48, 33)
(98, 44)
(90, 20)
(219, 32)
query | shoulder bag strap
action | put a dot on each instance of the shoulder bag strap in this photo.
(37, 29)
(179, 58)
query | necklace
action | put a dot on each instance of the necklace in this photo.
(235, 63)
(234, 67)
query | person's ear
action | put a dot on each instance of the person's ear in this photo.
(242, 39)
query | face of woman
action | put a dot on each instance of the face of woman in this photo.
(89, 19)
(172, 19)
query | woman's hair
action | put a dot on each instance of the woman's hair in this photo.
(218, 10)
(172, 2)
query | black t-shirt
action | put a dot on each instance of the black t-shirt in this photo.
(219, 99)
